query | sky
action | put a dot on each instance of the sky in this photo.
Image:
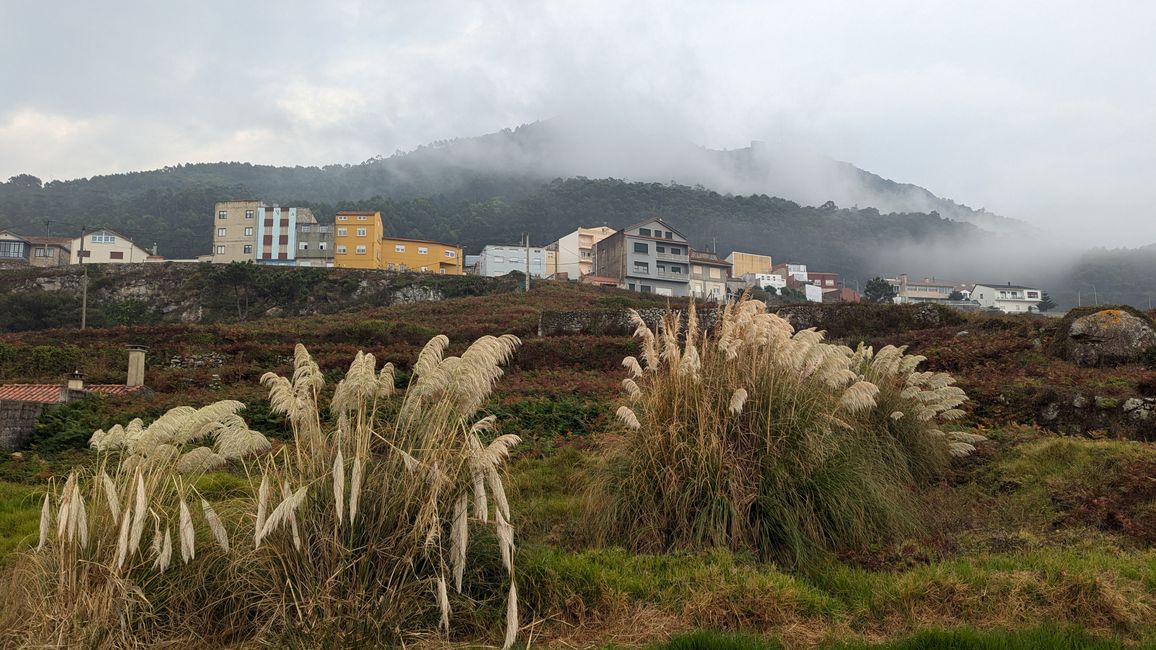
(1041, 111)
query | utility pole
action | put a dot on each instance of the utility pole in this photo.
(526, 240)
(83, 282)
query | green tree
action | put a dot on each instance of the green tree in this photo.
(878, 290)
(955, 295)
(1046, 302)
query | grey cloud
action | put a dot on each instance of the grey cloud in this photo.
(1040, 112)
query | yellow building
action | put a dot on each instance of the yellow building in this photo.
(357, 241)
(744, 263)
(420, 256)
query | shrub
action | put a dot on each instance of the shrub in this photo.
(353, 527)
(755, 436)
(67, 426)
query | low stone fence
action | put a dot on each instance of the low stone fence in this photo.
(609, 322)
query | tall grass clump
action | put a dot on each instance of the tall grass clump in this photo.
(754, 436)
(133, 537)
(358, 533)
(361, 533)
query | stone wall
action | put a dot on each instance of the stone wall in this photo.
(16, 420)
(608, 323)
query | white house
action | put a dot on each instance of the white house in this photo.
(106, 246)
(774, 281)
(1009, 298)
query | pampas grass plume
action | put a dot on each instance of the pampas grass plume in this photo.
(215, 525)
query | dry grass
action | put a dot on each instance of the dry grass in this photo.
(361, 530)
(756, 436)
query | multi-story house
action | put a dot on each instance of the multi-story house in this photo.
(1010, 298)
(708, 276)
(794, 271)
(357, 242)
(574, 253)
(744, 263)
(314, 244)
(251, 231)
(826, 281)
(774, 281)
(551, 260)
(925, 290)
(106, 246)
(421, 256)
(649, 257)
(498, 260)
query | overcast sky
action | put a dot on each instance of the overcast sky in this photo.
(1044, 111)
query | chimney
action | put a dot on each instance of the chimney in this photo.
(136, 365)
(75, 384)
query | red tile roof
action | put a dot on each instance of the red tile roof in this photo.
(44, 393)
(112, 389)
(50, 393)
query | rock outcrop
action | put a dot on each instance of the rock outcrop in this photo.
(1106, 337)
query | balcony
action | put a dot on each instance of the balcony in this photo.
(668, 257)
(667, 275)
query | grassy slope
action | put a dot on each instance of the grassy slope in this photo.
(1034, 531)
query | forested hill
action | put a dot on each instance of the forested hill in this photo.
(843, 240)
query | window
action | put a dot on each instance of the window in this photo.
(390, 266)
(116, 255)
(306, 227)
(402, 268)
(451, 254)
(103, 238)
(361, 232)
(641, 267)
(89, 253)
(425, 269)
(658, 233)
(42, 252)
(248, 249)
(249, 231)
(303, 246)
(248, 214)
(321, 246)
(1034, 295)
(586, 254)
(644, 232)
(340, 249)
(676, 269)
(399, 248)
(640, 247)
(361, 249)
(11, 249)
(645, 288)
(662, 249)
(662, 268)
(220, 251)
(422, 250)
(221, 232)
(222, 215)
(498, 259)
(342, 217)
(362, 217)
(716, 273)
(341, 232)
(675, 250)
(669, 235)
(631, 286)
(696, 269)
(442, 271)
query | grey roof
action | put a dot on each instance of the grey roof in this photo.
(1001, 285)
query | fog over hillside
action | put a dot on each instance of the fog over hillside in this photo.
(588, 147)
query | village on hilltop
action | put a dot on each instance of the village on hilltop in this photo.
(648, 257)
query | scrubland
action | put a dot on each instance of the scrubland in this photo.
(748, 487)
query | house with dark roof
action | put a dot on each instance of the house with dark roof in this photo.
(1009, 298)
